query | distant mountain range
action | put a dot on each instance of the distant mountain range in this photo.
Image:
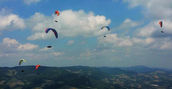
(84, 77)
(142, 69)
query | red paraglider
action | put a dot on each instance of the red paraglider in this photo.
(36, 67)
(57, 12)
(161, 23)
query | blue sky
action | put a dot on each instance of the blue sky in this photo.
(134, 39)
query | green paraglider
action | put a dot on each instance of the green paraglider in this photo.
(21, 61)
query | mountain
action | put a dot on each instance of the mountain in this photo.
(143, 69)
(83, 77)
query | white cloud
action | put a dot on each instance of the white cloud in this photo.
(57, 53)
(156, 10)
(28, 2)
(128, 23)
(10, 42)
(166, 46)
(115, 41)
(15, 45)
(150, 35)
(153, 43)
(149, 40)
(153, 8)
(11, 21)
(152, 30)
(134, 3)
(143, 41)
(44, 49)
(161, 44)
(38, 36)
(70, 42)
(70, 23)
(147, 30)
(27, 46)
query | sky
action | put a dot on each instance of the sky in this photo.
(135, 37)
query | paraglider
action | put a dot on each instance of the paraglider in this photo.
(36, 67)
(21, 61)
(52, 29)
(161, 25)
(55, 33)
(107, 27)
(57, 13)
(49, 46)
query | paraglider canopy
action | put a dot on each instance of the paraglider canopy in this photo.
(36, 67)
(161, 23)
(57, 13)
(108, 28)
(21, 61)
(52, 29)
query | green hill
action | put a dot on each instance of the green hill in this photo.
(82, 77)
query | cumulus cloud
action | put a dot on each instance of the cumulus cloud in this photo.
(148, 30)
(143, 41)
(134, 3)
(128, 23)
(27, 46)
(28, 2)
(153, 29)
(44, 49)
(10, 42)
(115, 41)
(57, 53)
(166, 46)
(70, 23)
(153, 8)
(15, 45)
(70, 42)
(38, 36)
(150, 34)
(11, 22)
(153, 43)
(158, 40)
